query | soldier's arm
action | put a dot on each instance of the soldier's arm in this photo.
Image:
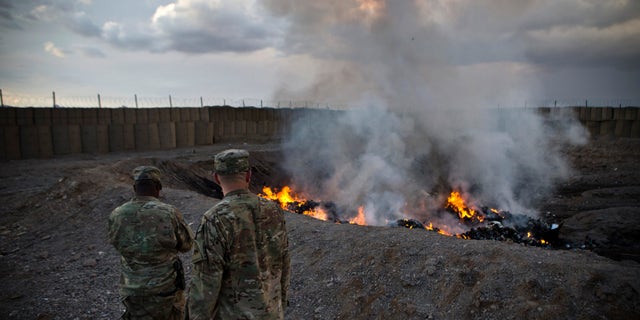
(208, 267)
(184, 234)
(112, 228)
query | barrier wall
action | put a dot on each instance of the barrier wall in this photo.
(46, 132)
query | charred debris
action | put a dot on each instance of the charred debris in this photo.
(493, 225)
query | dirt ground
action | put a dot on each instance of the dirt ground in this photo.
(55, 262)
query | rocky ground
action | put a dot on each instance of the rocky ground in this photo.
(55, 262)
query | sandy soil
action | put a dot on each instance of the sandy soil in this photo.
(55, 262)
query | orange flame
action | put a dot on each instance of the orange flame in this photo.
(359, 219)
(286, 196)
(457, 203)
(430, 227)
(288, 199)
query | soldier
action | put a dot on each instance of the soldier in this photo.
(148, 234)
(241, 261)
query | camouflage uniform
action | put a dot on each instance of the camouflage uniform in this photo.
(148, 235)
(241, 258)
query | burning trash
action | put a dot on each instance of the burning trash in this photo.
(292, 202)
(482, 223)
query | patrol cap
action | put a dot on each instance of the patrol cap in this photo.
(146, 173)
(231, 161)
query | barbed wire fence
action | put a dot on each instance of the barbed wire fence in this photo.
(135, 101)
(591, 102)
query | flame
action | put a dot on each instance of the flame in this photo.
(317, 213)
(457, 203)
(359, 219)
(286, 197)
(541, 241)
(430, 227)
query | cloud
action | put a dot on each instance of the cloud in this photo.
(472, 32)
(7, 19)
(614, 45)
(549, 33)
(68, 13)
(82, 24)
(51, 48)
(117, 35)
(92, 52)
(190, 26)
(538, 31)
(196, 26)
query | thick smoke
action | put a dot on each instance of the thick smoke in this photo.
(416, 127)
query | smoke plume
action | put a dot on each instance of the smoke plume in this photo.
(419, 123)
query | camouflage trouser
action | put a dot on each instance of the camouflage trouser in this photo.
(154, 307)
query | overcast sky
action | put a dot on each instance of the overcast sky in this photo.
(494, 52)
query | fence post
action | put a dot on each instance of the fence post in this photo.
(135, 97)
(170, 102)
(99, 102)
(201, 103)
(1, 99)
(260, 103)
(586, 103)
(54, 98)
(242, 102)
(224, 102)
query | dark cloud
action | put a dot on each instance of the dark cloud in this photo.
(118, 36)
(585, 33)
(68, 13)
(7, 15)
(8, 23)
(599, 14)
(473, 32)
(429, 44)
(80, 23)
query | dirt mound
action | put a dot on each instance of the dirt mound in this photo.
(355, 272)
(55, 262)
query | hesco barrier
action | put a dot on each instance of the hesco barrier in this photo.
(46, 132)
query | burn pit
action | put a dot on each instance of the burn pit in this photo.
(481, 223)
(486, 223)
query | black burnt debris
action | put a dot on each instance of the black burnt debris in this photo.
(487, 224)
(519, 228)
(410, 223)
(506, 226)
(303, 207)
